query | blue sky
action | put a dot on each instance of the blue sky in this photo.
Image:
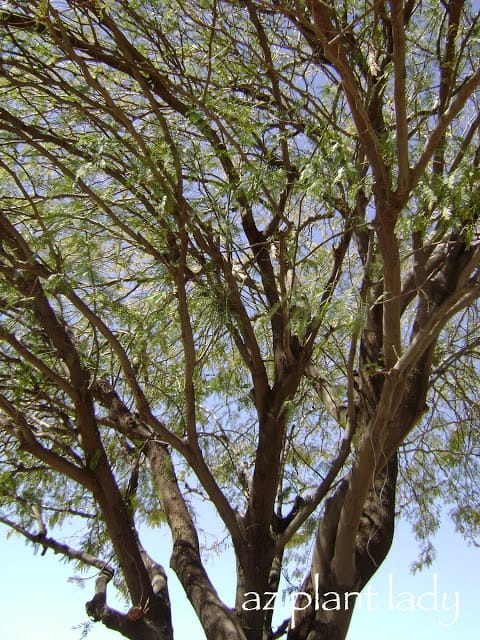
(38, 600)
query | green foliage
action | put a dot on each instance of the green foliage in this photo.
(192, 214)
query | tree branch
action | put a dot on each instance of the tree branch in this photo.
(332, 43)
(400, 97)
(57, 547)
(24, 433)
(186, 560)
(466, 90)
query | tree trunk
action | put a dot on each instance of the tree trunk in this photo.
(332, 604)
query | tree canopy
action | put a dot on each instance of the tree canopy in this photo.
(239, 265)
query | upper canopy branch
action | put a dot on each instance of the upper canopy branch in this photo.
(331, 41)
(468, 88)
(18, 425)
(400, 95)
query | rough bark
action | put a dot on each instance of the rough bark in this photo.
(373, 541)
(217, 620)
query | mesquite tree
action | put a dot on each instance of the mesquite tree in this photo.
(239, 263)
